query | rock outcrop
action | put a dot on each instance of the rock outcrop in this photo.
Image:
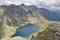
(51, 33)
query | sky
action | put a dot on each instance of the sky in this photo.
(40, 3)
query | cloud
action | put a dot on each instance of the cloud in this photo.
(43, 3)
(57, 3)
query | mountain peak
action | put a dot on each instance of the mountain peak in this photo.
(23, 5)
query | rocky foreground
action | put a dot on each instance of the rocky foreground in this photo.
(51, 33)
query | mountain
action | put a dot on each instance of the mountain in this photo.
(13, 16)
(49, 15)
(16, 15)
(22, 12)
(56, 10)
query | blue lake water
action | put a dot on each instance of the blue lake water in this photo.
(26, 30)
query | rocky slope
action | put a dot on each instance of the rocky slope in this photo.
(14, 16)
(51, 33)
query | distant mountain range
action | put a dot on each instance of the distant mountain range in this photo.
(16, 14)
(56, 10)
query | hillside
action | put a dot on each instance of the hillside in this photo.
(51, 33)
(14, 16)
